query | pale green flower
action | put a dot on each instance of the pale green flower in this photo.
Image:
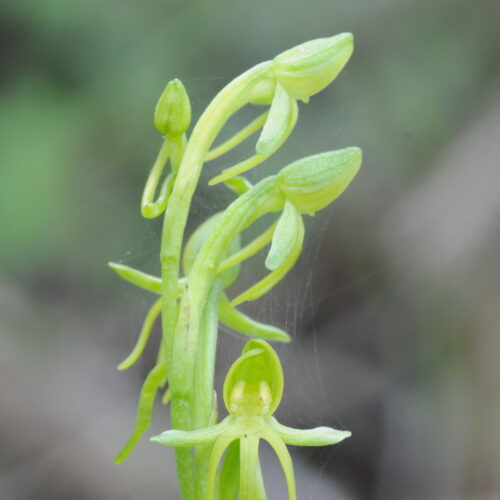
(252, 391)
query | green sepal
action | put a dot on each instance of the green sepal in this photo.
(319, 436)
(236, 320)
(156, 379)
(284, 237)
(143, 280)
(257, 363)
(197, 437)
(138, 278)
(276, 127)
(313, 182)
(172, 114)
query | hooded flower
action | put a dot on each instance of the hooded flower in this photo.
(252, 392)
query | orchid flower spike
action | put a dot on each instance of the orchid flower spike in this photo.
(252, 392)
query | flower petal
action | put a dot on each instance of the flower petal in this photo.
(142, 340)
(197, 437)
(154, 381)
(273, 438)
(229, 476)
(136, 277)
(218, 450)
(319, 436)
(249, 460)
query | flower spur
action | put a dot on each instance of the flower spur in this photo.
(252, 392)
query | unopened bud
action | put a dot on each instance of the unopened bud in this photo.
(173, 110)
(312, 183)
(308, 68)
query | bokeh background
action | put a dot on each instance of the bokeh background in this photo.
(394, 305)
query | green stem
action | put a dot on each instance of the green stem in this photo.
(204, 383)
(228, 101)
(242, 212)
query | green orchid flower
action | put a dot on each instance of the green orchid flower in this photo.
(252, 392)
(196, 273)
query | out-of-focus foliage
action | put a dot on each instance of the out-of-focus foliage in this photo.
(397, 337)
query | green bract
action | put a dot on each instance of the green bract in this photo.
(193, 297)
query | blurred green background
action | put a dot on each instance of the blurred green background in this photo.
(394, 305)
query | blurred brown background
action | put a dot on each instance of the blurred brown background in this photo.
(394, 305)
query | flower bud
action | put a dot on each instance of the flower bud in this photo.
(173, 110)
(308, 68)
(312, 183)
